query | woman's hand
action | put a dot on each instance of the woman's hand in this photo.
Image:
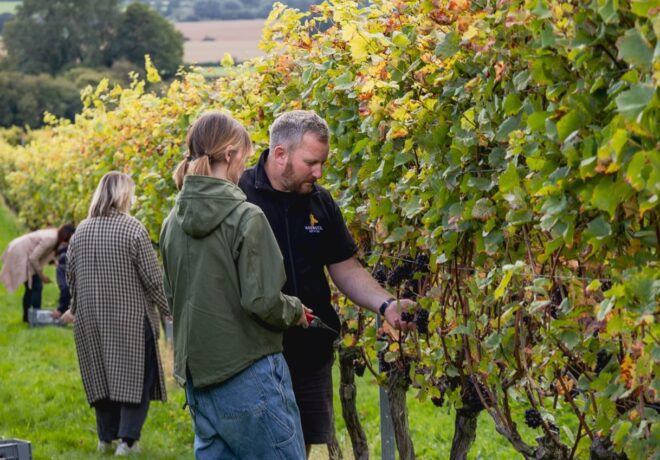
(303, 318)
(67, 317)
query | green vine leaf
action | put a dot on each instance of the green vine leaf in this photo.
(635, 50)
(631, 103)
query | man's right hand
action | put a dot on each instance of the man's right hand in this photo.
(393, 314)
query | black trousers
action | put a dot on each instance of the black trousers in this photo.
(32, 296)
(115, 419)
(65, 298)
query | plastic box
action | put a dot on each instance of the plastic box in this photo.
(15, 449)
(42, 317)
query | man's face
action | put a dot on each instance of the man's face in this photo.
(304, 165)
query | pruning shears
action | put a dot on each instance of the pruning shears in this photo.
(315, 321)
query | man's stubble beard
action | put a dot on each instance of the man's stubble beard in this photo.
(290, 184)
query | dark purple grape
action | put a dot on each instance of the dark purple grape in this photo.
(366, 248)
(602, 358)
(557, 294)
(409, 290)
(407, 316)
(383, 366)
(359, 366)
(533, 418)
(422, 320)
(422, 263)
(470, 397)
(379, 274)
(400, 273)
(438, 402)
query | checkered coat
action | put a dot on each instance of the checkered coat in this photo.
(115, 280)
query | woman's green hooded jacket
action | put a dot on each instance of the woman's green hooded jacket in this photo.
(223, 276)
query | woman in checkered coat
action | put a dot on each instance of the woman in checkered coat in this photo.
(116, 287)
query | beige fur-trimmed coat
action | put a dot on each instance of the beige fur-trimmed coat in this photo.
(26, 256)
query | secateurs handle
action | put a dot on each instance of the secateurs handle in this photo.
(315, 321)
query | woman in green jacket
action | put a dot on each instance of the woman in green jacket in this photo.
(223, 276)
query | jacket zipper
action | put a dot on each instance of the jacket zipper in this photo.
(288, 242)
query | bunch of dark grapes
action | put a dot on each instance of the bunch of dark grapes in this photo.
(406, 370)
(365, 245)
(379, 274)
(470, 397)
(359, 366)
(400, 273)
(383, 365)
(422, 320)
(533, 418)
(408, 291)
(422, 263)
(438, 402)
(407, 316)
(605, 286)
(602, 358)
(557, 295)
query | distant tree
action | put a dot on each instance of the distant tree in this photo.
(4, 17)
(208, 9)
(48, 35)
(25, 98)
(144, 31)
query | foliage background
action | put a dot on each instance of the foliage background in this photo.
(514, 143)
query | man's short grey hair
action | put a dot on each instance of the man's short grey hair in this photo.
(289, 128)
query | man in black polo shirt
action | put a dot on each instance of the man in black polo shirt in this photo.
(312, 235)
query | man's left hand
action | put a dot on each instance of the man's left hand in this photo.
(393, 314)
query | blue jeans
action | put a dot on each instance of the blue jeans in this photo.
(253, 415)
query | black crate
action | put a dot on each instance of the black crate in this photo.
(15, 449)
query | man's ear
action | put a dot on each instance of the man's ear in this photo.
(280, 155)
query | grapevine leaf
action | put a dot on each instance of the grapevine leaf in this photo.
(569, 123)
(634, 49)
(632, 102)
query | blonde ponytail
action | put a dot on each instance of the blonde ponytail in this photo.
(209, 139)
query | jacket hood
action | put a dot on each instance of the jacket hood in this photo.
(204, 202)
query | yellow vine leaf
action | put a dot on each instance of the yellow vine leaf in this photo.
(152, 72)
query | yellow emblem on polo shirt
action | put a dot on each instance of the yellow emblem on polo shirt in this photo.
(313, 226)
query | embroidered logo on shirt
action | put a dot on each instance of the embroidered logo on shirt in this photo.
(313, 227)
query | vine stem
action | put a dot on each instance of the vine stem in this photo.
(577, 411)
(577, 441)
(530, 256)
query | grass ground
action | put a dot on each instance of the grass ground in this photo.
(42, 399)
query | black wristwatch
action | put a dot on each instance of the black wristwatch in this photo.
(384, 305)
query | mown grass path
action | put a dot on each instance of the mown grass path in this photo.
(42, 399)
